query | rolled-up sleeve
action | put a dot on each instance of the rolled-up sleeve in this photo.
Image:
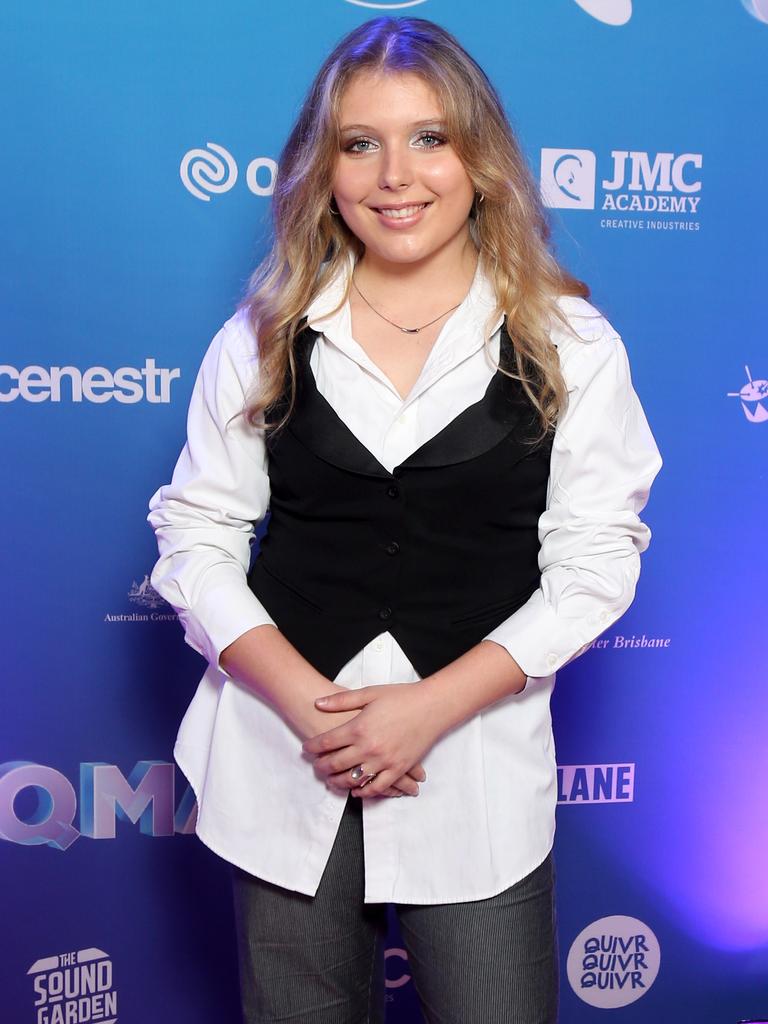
(204, 519)
(604, 459)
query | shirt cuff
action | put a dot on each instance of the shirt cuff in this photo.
(229, 609)
(541, 641)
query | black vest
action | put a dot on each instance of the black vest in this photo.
(438, 552)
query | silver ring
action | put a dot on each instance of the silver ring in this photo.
(358, 772)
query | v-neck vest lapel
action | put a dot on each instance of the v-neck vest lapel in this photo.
(503, 407)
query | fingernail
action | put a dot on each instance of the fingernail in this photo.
(321, 700)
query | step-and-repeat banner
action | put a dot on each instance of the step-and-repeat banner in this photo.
(139, 149)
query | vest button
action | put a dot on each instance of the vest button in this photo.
(392, 548)
(393, 491)
(385, 613)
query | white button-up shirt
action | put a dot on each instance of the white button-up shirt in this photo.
(485, 817)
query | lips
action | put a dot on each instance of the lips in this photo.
(402, 212)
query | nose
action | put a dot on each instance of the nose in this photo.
(395, 170)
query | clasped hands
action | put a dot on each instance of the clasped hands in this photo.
(393, 730)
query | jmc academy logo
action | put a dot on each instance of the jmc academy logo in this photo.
(73, 988)
(634, 183)
(613, 961)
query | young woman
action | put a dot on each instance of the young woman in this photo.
(454, 459)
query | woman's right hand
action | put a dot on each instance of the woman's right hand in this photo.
(314, 722)
(263, 660)
(408, 784)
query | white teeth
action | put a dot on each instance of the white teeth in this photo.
(407, 211)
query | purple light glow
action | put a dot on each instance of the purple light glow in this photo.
(711, 867)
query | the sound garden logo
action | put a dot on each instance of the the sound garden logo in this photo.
(613, 962)
(73, 988)
(638, 187)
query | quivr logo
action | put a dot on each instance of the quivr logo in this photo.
(97, 384)
(613, 961)
(663, 183)
(74, 987)
(204, 172)
(38, 804)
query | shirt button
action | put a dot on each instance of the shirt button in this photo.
(385, 613)
(378, 644)
(551, 659)
(393, 491)
(392, 548)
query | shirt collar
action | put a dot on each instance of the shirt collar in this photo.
(462, 333)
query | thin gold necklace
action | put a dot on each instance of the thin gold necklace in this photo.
(405, 330)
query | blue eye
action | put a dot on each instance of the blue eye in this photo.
(349, 148)
(437, 140)
(432, 135)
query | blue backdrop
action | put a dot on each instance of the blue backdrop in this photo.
(139, 149)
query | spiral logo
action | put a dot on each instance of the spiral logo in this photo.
(203, 172)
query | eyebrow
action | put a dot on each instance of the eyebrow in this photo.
(369, 128)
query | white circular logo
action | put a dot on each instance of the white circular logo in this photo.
(202, 172)
(392, 3)
(610, 12)
(758, 9)
(613, 961)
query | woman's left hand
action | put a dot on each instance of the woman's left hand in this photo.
(395, 728)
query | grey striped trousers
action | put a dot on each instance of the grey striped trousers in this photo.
(320, 959)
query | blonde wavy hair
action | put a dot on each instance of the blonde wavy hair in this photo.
(509, 227)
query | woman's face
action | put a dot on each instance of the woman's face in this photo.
(394, 154)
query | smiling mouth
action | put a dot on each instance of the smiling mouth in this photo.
(405, 211)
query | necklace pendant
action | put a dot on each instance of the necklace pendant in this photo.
(410, 330)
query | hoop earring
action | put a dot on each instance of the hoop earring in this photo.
(334, 213)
